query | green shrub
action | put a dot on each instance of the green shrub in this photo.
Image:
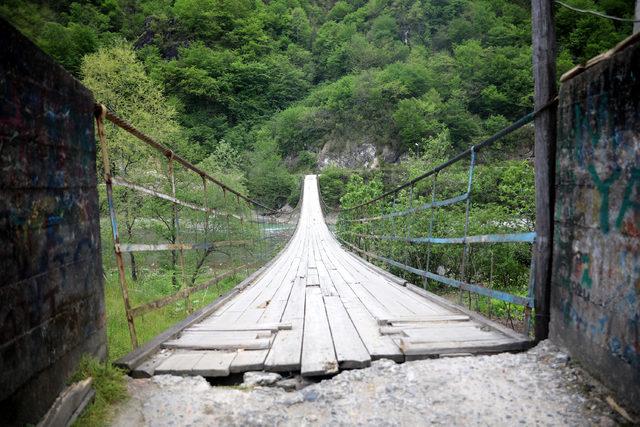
(333, 182)
(110, 385)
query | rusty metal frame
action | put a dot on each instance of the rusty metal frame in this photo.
(102, 114)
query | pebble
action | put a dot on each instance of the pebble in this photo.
(539, 387)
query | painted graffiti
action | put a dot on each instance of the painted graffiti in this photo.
(596, 278)
(592, 130)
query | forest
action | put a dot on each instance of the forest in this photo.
(281, 85)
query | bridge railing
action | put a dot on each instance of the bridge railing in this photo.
(177, 230)
(417, 228)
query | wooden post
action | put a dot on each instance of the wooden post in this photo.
(636, 25)
(544, 72)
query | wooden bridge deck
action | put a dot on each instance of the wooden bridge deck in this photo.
(318, 308)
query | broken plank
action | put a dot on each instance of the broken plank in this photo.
(392, 330)
(147, 368)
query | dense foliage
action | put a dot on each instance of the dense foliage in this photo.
(286, 76)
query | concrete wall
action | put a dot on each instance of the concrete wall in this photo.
(596, 278)
(51, 288)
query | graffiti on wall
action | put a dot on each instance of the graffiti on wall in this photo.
(51, 289)
(596, 266)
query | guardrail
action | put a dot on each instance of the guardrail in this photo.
(368, 227)
(196, 213)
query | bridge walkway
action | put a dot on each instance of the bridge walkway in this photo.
(318, 308)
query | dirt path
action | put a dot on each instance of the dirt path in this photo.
(538, 387)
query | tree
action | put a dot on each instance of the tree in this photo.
(68, 44)
(119, 81)
(268, 181)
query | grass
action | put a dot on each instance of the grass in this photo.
(110, 386)
(153, 323)
(109, 381)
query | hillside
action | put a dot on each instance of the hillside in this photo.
(354, 83)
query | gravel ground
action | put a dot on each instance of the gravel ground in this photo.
(538, 387)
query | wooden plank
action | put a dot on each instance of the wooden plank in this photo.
(273, 327)
(179, 363)
(414, 351)
(326, 285)
(69, 404)
(388, 294)
(248, 360)
(148, 367)
(276, 310)
(392, 296)
(285, 352)
(318, 354)
(219, 344)
(350, 351)
(424, 319)
(377, 345)
(272, 300)
(211, 335)
(472, 315)
(465, 333)
(214, 364)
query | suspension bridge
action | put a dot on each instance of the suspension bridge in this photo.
(318, 308)
(314, 306)
(315, 298)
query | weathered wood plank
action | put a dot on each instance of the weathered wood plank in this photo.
(318, 354)
(415, 351)
(377, 345)
(179, 363)
(194, 343)
(132, 360)
(350, 351)
(465, 333)
(214, 364)
(69, 404)
(285, 352)
(423, 319)
(273, 327)
(248, 360)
